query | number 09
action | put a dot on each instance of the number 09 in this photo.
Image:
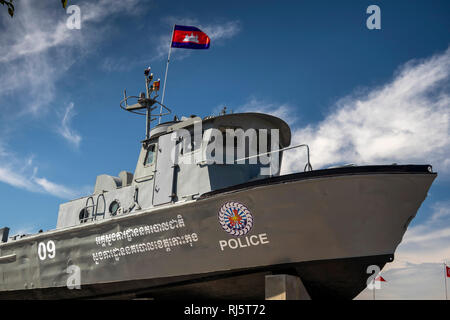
(46, 250)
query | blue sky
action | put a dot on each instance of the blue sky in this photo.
(355, 95)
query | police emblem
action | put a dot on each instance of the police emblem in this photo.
(235, 218)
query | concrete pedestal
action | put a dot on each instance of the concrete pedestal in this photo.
(285, 287)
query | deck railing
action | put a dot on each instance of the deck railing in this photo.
(308, 166)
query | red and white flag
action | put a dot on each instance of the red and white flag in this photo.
(380, 278)
(447, 269)
(188, 37)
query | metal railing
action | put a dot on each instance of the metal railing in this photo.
(308, 166)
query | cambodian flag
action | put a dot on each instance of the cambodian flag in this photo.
(189, 38)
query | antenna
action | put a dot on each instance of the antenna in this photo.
(146, 101)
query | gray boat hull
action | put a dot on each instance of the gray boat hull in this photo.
(327, 228)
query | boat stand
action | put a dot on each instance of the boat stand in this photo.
(285, 287)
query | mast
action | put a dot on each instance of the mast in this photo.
(146, 101)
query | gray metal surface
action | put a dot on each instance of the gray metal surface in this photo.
(311, 220)
(165, 170)
(160, 237)
(156, 181)
(4, 232)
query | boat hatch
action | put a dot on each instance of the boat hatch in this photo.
(4, 232)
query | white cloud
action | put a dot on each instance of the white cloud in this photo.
(283, 111)
(56, 189)
(441, 211)
(15, 179)
(110, 64)
(218, 32)
(35, 184)
(26, 68)
(423, 281)
(406, 120)
(36, 47)
(104, 9)
(22, 174)
(65, 131)
(417, 271)
(429, 241)
(28, 36)
(37, 28)
(36, 50)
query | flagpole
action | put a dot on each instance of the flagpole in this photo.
(445, 278)
(374, 288)
(165, 76)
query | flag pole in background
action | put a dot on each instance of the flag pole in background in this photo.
(446, 274)
(380, 279)
(374, 289)
(165, 76)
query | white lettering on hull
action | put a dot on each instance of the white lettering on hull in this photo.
(244, 242)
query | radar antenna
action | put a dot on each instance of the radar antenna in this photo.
(146, 101)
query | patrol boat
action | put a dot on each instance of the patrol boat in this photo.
(202, 229)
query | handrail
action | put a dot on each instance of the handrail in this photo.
(308, 166)
(86, 207)
(96, 207)
(8, 258)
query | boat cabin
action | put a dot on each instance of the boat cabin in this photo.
(183, 159)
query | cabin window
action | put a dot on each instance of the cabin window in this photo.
(114, 207)
(84, 215)
(150, 156)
